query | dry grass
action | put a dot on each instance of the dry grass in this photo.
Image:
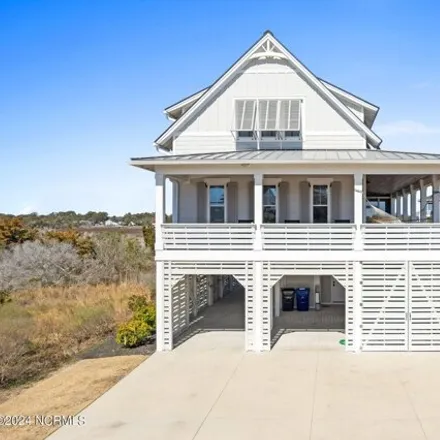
(66, 393)
(41, 329)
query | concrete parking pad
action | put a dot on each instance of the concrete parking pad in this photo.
(307, 387)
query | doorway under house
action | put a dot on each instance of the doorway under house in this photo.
(212, 303)
(326, 308)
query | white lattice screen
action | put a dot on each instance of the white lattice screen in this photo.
(247, 281)
(424, 306)
(180, 299)
(384, 306)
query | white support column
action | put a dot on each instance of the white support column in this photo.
(398, 205)
(160, 315)
(393, 204)
(435, 199)
(422, 201)
(176, 196)
(160, 209)
(404, 205)
(258, 210)
(277, 292)
(413, 190)
(358, 208)
(258, 311)
(357, 306)
(316, 287)
(210, 290)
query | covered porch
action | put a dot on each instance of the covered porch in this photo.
(323, 200)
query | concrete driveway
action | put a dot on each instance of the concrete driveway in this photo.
(308, 387)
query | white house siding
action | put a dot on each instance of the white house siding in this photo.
(188, 203)
(244, 198)
(323, 127)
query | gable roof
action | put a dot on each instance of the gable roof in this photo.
(281, 51)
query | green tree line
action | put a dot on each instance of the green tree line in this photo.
(69, 219)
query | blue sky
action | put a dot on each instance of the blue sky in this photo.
(83, 83)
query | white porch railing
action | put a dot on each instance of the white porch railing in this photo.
(301, 237)
(200, 236)
(401, 237)
(308, 237)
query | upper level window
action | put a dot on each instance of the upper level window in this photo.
(216, 204)
(320, 209)
(268, 119)
(269, 204)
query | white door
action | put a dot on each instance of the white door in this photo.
(384, 306)
(424, 327)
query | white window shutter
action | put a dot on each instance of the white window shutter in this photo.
(245, 115)
(289, 115)
(268, 114)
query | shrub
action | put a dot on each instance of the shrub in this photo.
(143, 310)
(149, 235)
(12, 231)
(83, 245)
(5, 296)
(34, 264)
(120, 259)
(133, 333)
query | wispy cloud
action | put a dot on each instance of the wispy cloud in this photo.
(407, 127)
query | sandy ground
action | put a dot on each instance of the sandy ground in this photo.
(64, 393)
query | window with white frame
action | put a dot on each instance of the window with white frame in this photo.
(268, 119)
(320, 208)
(216, 204)
(269, 204)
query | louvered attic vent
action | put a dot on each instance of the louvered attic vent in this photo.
(267, 119)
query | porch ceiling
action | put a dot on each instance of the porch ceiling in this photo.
(378, 184)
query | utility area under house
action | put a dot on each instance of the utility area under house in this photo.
(289, 216)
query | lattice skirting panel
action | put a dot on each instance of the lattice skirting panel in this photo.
(384, 306)
(424, 328)
(394, 306)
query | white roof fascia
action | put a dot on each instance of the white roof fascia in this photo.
(141, 163)
(186, 101)
(349, 96)
(371, 136)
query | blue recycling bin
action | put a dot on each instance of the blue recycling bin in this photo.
(302, 299)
